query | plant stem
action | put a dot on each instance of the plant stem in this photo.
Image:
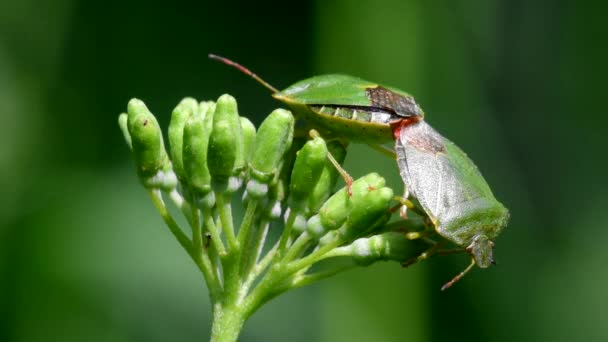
(314, 277)
(286, 233)
(245, 229)
(225, 210)
(183, 240)
(197, 234)
(256, 246)
(227, 323)
(213, 231)
(201, 260)
(297, 247)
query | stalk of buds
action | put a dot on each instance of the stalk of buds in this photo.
(218, 159)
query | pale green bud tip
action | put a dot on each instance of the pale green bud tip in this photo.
(299, 224)
(226, 112)
(188, 104)
(315, 227)
(386, 246)
(137, 106)
(122, 123)
(165, 180)
(205, 108)
(273, 139)
(256, 189)
(227, 102)
(248, 130)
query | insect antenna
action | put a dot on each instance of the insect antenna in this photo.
(460, 275)
(244, 71)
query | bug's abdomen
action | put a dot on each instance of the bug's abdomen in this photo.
(355, 113)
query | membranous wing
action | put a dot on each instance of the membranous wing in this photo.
(447, 184)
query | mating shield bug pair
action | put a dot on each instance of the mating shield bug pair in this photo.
(445, 182)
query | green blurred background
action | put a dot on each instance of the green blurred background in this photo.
(519, 85)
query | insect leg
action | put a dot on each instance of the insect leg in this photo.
(403, 211)
(409, 205)
(347, 178)
(422, 256)
(460, 275)
(450, 251)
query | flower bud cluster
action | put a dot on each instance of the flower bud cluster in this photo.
(217, 157)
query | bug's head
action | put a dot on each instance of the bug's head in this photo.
(481, 249)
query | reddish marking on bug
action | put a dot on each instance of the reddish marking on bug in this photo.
(371, 188)
(416, 138)
(398, 124)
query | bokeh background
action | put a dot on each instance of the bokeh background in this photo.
(520, 85)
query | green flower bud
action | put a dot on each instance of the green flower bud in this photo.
(368, 212)
(386, 246)
(122, 123)
(271, 205)
(299, 224)
(248, 131)
(195, 142)
(206, 109)
(226, 141)
(328, 177)
(286, 166)
(180, 115)
(307, 169)
(146, 140)
(335, 211)
(273, 139)
(222, 152)
(279, 186)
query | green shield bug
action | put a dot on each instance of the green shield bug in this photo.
(451, 190)
(343, 106)
(446, 183)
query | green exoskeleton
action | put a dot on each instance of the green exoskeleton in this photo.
(450, 190)
(344, 107)
(444, 181)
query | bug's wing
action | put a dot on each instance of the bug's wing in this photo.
(447, 184)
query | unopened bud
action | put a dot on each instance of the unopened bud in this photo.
(335, 211)
(146, 140)
(195, 142)
(248, 131)
(306, 171)
(386, 246)
(273, 139)
(225, 142)
(180, 115)
(328, 177)
(368, 212)
(122, 123)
